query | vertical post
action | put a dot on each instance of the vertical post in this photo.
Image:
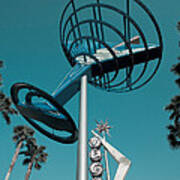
(82, 161)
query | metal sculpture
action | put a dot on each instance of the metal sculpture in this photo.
(118, 65)
(96, 142)
(124, 163)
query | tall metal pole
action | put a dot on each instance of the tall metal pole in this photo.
(82, 161)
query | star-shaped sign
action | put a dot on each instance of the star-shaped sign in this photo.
(102, 127)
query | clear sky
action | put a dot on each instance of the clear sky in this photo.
(29, 45)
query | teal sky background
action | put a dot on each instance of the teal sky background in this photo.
(30, 48)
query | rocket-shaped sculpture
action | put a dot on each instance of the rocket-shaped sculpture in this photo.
(124, 162)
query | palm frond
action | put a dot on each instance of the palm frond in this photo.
(176, 99)
(18, 128)
(41, 149)
(45, 154)
(7, 101)
(172, 116)
(6, 117)
(176, 121)
(171, 128)
(176, 69)
(25, 153)
(42, 157)
(2, 95)
(1, 63)
(177, 81)
(30, 131)
(37, 166)
(172, 140)
(31, 141)
(15, 138)
(178, 26)
(169, 107)
(26, 161)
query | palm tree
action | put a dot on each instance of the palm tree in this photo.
(174, 128)
(5, 102)
(5, 107)
(35, 155)
(21, 135)
(174, 108)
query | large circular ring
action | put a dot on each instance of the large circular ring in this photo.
(56, 117)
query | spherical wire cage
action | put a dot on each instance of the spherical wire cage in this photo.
(113, 42)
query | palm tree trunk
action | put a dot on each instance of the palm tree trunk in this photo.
(30, 167)
(14, 160)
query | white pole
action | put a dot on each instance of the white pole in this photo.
(82, 161)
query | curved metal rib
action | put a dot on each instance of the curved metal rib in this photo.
(102, 23)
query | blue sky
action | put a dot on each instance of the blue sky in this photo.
(30, 48)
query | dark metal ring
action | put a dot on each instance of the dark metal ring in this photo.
(39, 93)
